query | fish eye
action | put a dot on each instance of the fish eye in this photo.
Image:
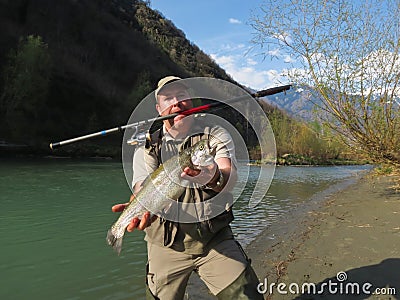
(201, 147)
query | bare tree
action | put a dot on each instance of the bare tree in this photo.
(348, 53)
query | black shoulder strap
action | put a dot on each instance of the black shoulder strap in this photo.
(153, 143)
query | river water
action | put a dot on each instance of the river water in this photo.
(55, 214)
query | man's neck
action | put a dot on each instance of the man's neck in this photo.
(177, 134)
(180, 130)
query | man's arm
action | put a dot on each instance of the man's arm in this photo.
(229, 175)
(211, 175)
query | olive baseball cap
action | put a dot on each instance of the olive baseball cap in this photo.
(165, 81)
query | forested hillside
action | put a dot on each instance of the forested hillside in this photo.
(71, 67)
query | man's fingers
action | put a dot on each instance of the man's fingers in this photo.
(119, 207)
(133, 224)
(144, 222)
(191, 172)
(140, 224)
(202, 176)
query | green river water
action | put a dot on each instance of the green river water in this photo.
(55, 214)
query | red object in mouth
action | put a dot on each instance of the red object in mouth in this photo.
(195, 109)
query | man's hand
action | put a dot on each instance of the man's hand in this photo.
(202, 176)
(135, 223)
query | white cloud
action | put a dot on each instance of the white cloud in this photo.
(275, 52)
(245, 72)
(284, 37)
(288, 59)
(224, 60)
(251, 62)
(234, 21)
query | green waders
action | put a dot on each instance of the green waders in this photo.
(243, 288)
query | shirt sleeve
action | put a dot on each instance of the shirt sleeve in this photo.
(225, 147)
(144, 163)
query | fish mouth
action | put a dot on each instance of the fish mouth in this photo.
(208, 161)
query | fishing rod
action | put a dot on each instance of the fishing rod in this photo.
(141, 136)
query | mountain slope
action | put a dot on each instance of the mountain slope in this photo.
(104, 57)
(297, 102)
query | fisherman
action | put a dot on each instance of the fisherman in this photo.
(207, 247)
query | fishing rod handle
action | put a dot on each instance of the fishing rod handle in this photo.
(271, 91)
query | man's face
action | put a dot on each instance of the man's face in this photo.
(173, 99)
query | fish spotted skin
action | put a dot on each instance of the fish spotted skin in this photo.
(164, 184)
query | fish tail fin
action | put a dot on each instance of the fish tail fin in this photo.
(114, 242)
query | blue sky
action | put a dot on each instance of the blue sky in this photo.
(221, 28)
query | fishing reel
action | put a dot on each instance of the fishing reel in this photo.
(138, 138)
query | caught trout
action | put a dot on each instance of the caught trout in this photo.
(164, 184)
